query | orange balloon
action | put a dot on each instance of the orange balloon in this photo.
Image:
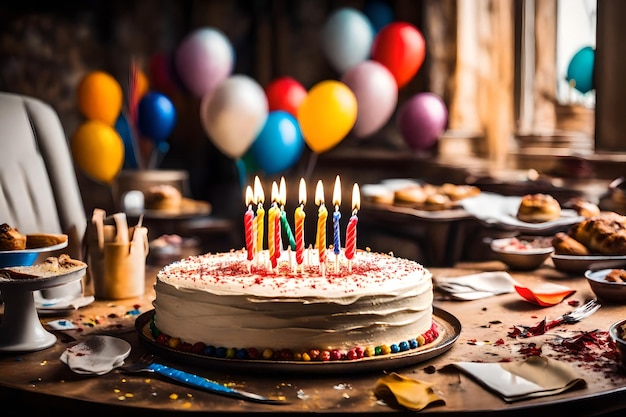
(327, 114)
(100, 97)
(98, 150)
(142, 84)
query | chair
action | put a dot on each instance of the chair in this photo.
(39, 190)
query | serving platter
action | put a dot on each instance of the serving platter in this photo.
(580, 264)
(501, 211)
(449, 331)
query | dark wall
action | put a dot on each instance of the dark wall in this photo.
(46, 47)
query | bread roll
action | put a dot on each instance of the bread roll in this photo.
(538, 208)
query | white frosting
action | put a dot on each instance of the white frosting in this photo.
(225, 300)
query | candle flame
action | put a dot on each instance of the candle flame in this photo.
(337, 192)
(259, 195)
(302, 192)
(319, 193)
(274, 192)
(356, 197)
(282, 192)
(249, 196)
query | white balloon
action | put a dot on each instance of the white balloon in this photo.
(203, 60)
(234, 114)
(347, 38)
(376, 95)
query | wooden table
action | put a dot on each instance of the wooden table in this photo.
(38, 381)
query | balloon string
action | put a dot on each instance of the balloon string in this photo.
(311, 166)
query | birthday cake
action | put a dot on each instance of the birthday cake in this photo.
(223, 305)
(294, 303)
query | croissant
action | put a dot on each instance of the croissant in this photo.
(603, 234)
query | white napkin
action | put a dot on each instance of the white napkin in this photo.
(536, 376)
(96, 355)
(476, 286)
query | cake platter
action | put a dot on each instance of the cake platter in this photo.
(449, 331)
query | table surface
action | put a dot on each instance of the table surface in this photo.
(39, 381)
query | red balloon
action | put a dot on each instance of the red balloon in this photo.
(401, 48)
(285, 93)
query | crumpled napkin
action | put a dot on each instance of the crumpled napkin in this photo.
(97, 355)
(401, 392)
(546, 294)
(476, 286)
(536, 376)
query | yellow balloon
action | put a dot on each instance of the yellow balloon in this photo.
(98, 150)
(327, 114)
(100, 97)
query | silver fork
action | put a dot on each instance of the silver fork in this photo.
(147, 364)
(577, 314)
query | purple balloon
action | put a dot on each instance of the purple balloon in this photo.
(422, 119)
(204, 59)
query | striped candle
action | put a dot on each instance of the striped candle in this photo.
(248, 220)
(299, 222)
(351, 229)
(259, 197)
(336, 217)
(322, 215)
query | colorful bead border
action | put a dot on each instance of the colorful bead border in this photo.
(286, 354)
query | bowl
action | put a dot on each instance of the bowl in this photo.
(522, 253)
(614, 292)
(616, 333)
(25, 257)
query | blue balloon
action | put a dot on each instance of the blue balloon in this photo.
(580, 69)
(379, 13)
(279, 144)
(126, 133)
(156, 117)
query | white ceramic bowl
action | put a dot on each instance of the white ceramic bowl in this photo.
(522, 253)
(614, 292)
(616, 333)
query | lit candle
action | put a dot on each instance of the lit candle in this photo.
(351, 230)
(282, 197)
(259, 197)
(322, 214)
(273, 227)
(299, 222)
(336, 216)
(248, 220)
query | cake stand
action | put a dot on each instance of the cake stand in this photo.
(20, 329)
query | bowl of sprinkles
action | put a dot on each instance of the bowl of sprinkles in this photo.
(522, 253)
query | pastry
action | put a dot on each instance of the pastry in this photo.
(412, 195)
(616, 275)
(163, 197)
(538, 208)
(11, 238)
(43, 240)
(564, 244)
(582, 207)
(603, 234)
(51, 266)
(459, 192)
